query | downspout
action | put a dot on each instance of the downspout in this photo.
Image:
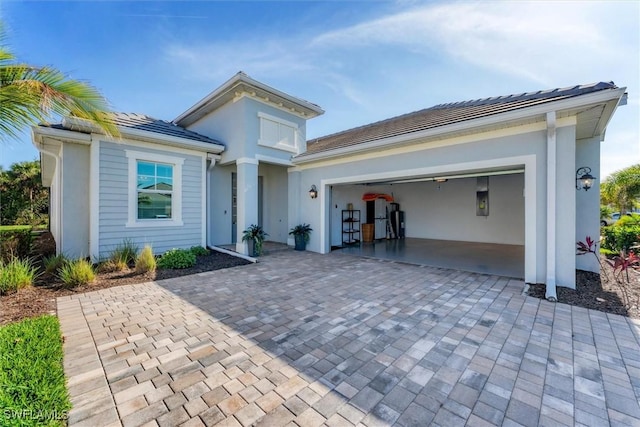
(550, 293)
(213, 159)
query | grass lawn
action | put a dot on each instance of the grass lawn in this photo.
(14, 227)
(32, 382)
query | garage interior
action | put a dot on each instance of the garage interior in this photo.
(472, 222)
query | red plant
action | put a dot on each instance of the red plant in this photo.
(624, 262)
(589, 246)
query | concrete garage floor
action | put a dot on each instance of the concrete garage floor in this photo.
(486, 258)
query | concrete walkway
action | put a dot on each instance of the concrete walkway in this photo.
(305, 339)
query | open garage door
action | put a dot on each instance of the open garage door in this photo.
(473, 222)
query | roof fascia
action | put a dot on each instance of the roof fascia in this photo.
(185, 118)
(172, 141)
(38, 133)
(509, 116)
(607, 114)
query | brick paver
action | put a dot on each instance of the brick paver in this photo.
(305, 339)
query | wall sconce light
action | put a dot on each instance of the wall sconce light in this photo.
(313, 192)
(584, 179)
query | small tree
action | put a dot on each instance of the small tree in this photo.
(23, 198)
(622, 188)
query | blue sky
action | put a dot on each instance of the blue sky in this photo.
(360, 61)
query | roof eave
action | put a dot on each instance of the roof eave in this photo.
(509, 116)
(191, 115)
(80, 132)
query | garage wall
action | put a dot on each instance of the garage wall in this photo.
(437, 210)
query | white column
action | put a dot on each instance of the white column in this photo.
(293, 202)
(208, 197)
(550, 281)
(247, 202)
(566, 207)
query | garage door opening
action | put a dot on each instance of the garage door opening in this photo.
(472, 223)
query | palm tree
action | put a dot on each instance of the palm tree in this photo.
(622, 188)
(30, 95)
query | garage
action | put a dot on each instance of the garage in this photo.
(483, 184)
(472, 222)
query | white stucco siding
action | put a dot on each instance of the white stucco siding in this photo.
(114, 201)
(588, 202)
(274, 215)
(227, 125)
(75, 194)
(237, 125)
(221, 215)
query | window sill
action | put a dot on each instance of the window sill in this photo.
(154, 224)
(278, 146)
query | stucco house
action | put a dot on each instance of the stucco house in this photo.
(240, 156)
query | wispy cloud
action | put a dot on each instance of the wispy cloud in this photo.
(534, 40)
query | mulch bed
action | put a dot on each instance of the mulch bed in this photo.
(41, 299)
(600, 292)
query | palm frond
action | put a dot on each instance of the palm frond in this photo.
(32, 95)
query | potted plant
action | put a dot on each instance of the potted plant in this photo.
(301, 234)
(254, 236)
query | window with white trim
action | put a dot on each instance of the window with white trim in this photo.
(155, 190)
(278, 133)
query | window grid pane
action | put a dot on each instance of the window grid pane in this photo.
(155, 185)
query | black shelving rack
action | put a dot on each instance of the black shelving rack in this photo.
(350, 226)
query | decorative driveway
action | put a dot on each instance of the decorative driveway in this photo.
(308, 340)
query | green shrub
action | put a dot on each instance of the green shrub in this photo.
(146, 261)
(16, 274)
(15, 243)
(33, 391)
(199, 251)
(77, 273)
(177, 258)
(54, 263)
(124, 254)
(628, 220)
(620, 238)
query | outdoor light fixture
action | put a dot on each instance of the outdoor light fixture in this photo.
(584, 179)
(440, 180)
(313, 193)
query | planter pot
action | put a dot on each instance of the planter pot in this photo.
(301, 244)
(251, 248)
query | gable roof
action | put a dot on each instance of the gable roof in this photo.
(241, 83)
(445, 114)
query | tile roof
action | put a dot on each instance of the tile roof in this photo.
(445, 114)
(149, 124)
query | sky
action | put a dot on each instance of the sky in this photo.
(361, 61)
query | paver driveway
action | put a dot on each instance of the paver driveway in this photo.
(305, 339)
